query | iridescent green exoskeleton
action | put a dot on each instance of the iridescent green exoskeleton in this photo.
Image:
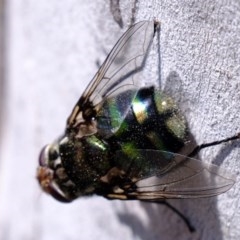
(123, 141)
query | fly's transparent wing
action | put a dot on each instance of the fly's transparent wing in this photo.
(118, 71)
(157, 175)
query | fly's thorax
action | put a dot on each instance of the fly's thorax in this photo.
(85, 160)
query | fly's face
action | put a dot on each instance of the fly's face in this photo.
(52, 176)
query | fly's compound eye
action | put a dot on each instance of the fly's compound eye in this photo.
(42, 157)
(48, 156)
(53, 154)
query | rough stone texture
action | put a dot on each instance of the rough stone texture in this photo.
(53, 51)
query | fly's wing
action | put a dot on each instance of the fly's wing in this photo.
(155, 175)
(117, 73)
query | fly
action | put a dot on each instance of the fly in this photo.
(127, 142)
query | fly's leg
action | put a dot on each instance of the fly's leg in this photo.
(186, 221)
(198, 148)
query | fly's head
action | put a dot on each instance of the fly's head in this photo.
(51, 174)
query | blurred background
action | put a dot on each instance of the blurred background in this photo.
(50, 50)
(2, 25)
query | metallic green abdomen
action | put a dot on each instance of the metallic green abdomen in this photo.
(153, 121)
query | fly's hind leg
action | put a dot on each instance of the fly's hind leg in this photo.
(198, 148)
(185, 220)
